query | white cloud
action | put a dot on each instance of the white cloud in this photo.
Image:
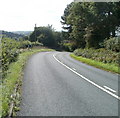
(23, 14)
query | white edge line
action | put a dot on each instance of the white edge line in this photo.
(110, 89)
(98, 86)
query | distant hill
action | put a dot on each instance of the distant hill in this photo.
(12, 35)
(25, 33)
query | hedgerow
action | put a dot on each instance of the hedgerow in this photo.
(101, 55)
(9, 53)
(11, 48)
(14, 54)
(13, 81)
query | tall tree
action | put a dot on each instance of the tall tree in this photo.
(92, 22)
(43, 35)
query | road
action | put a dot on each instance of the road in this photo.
(54, 84)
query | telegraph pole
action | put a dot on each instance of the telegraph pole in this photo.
(35, 33)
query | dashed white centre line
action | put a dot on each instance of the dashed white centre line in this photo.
(98, 86)
(74, 69)
(108, 88)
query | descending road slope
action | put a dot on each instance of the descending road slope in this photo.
(56, 85)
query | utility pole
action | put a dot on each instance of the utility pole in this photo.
(35, 33)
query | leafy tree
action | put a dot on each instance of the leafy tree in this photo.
(43, 35)
(57, 38)
(90, 23)
(66, 25)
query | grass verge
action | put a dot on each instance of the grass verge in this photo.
(12, 82)
(107, 67)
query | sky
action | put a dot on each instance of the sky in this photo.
(22, 15)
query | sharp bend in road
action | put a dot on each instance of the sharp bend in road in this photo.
(56, 85)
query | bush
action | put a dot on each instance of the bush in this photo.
(9, 53)
(37, 44)
(68, 46)
(11, 49)
(101, 55)
(113, 44)
(25, 44)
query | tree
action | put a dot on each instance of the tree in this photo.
(43, 35)
(57, 38)
(92, 22)
(66, 25)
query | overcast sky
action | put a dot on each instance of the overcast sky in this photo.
(21, 15)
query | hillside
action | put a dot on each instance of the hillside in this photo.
(12, 35)
(26, 33)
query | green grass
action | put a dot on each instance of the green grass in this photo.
(14, 77)
(107, 67)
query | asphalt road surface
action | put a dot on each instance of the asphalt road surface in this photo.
(56, 85)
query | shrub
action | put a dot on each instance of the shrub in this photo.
(113, 44)
(68, 46)
(25, 43)
(11, 49)
(9, 53)
(37, 44)
(101, 55)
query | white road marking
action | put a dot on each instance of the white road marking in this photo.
(98, 86)
(109, 89)
(74, 69)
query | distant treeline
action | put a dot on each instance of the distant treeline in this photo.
(12, 35)
(25, 33)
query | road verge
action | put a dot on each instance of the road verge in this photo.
(100, 65)
(11, 86)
